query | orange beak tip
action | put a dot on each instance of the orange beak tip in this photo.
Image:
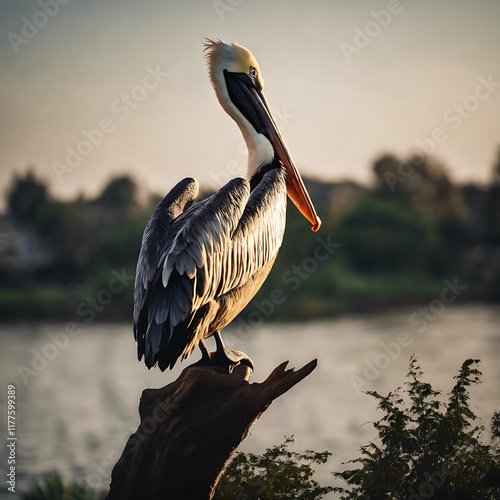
(317, 225)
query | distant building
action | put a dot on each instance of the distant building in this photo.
(20, 248)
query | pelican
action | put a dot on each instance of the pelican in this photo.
(201, 263)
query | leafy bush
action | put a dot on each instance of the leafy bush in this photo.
(428, 449)
(53, 487)
(277, 474)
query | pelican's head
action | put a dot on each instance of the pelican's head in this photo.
(237, 80)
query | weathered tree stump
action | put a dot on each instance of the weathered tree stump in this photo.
(190, 428)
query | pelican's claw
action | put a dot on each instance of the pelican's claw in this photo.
(225, 358)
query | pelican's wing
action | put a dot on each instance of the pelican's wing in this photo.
(259, 234)
(153, 242)
(222, 243)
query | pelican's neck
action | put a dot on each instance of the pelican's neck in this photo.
(260, 149)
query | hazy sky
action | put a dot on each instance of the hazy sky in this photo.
(347, 80)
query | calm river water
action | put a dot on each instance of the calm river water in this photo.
(77, 406)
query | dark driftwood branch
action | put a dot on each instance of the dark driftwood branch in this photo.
(190, 428)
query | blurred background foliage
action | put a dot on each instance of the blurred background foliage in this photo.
(389, 244)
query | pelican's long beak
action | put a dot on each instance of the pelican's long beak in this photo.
(251, 102)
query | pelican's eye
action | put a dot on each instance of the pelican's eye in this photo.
(252, 71)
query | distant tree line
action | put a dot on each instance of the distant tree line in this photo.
(81, 241)
(397, 241)
(390, 244)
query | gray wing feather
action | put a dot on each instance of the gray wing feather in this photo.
(153, 240)
(222, 249)
(205, 238)
(214, 247)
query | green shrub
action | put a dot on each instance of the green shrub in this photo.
(53, 487)
(428, 449)
(278, 474)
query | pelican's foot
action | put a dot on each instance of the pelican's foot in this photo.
(227, 359)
